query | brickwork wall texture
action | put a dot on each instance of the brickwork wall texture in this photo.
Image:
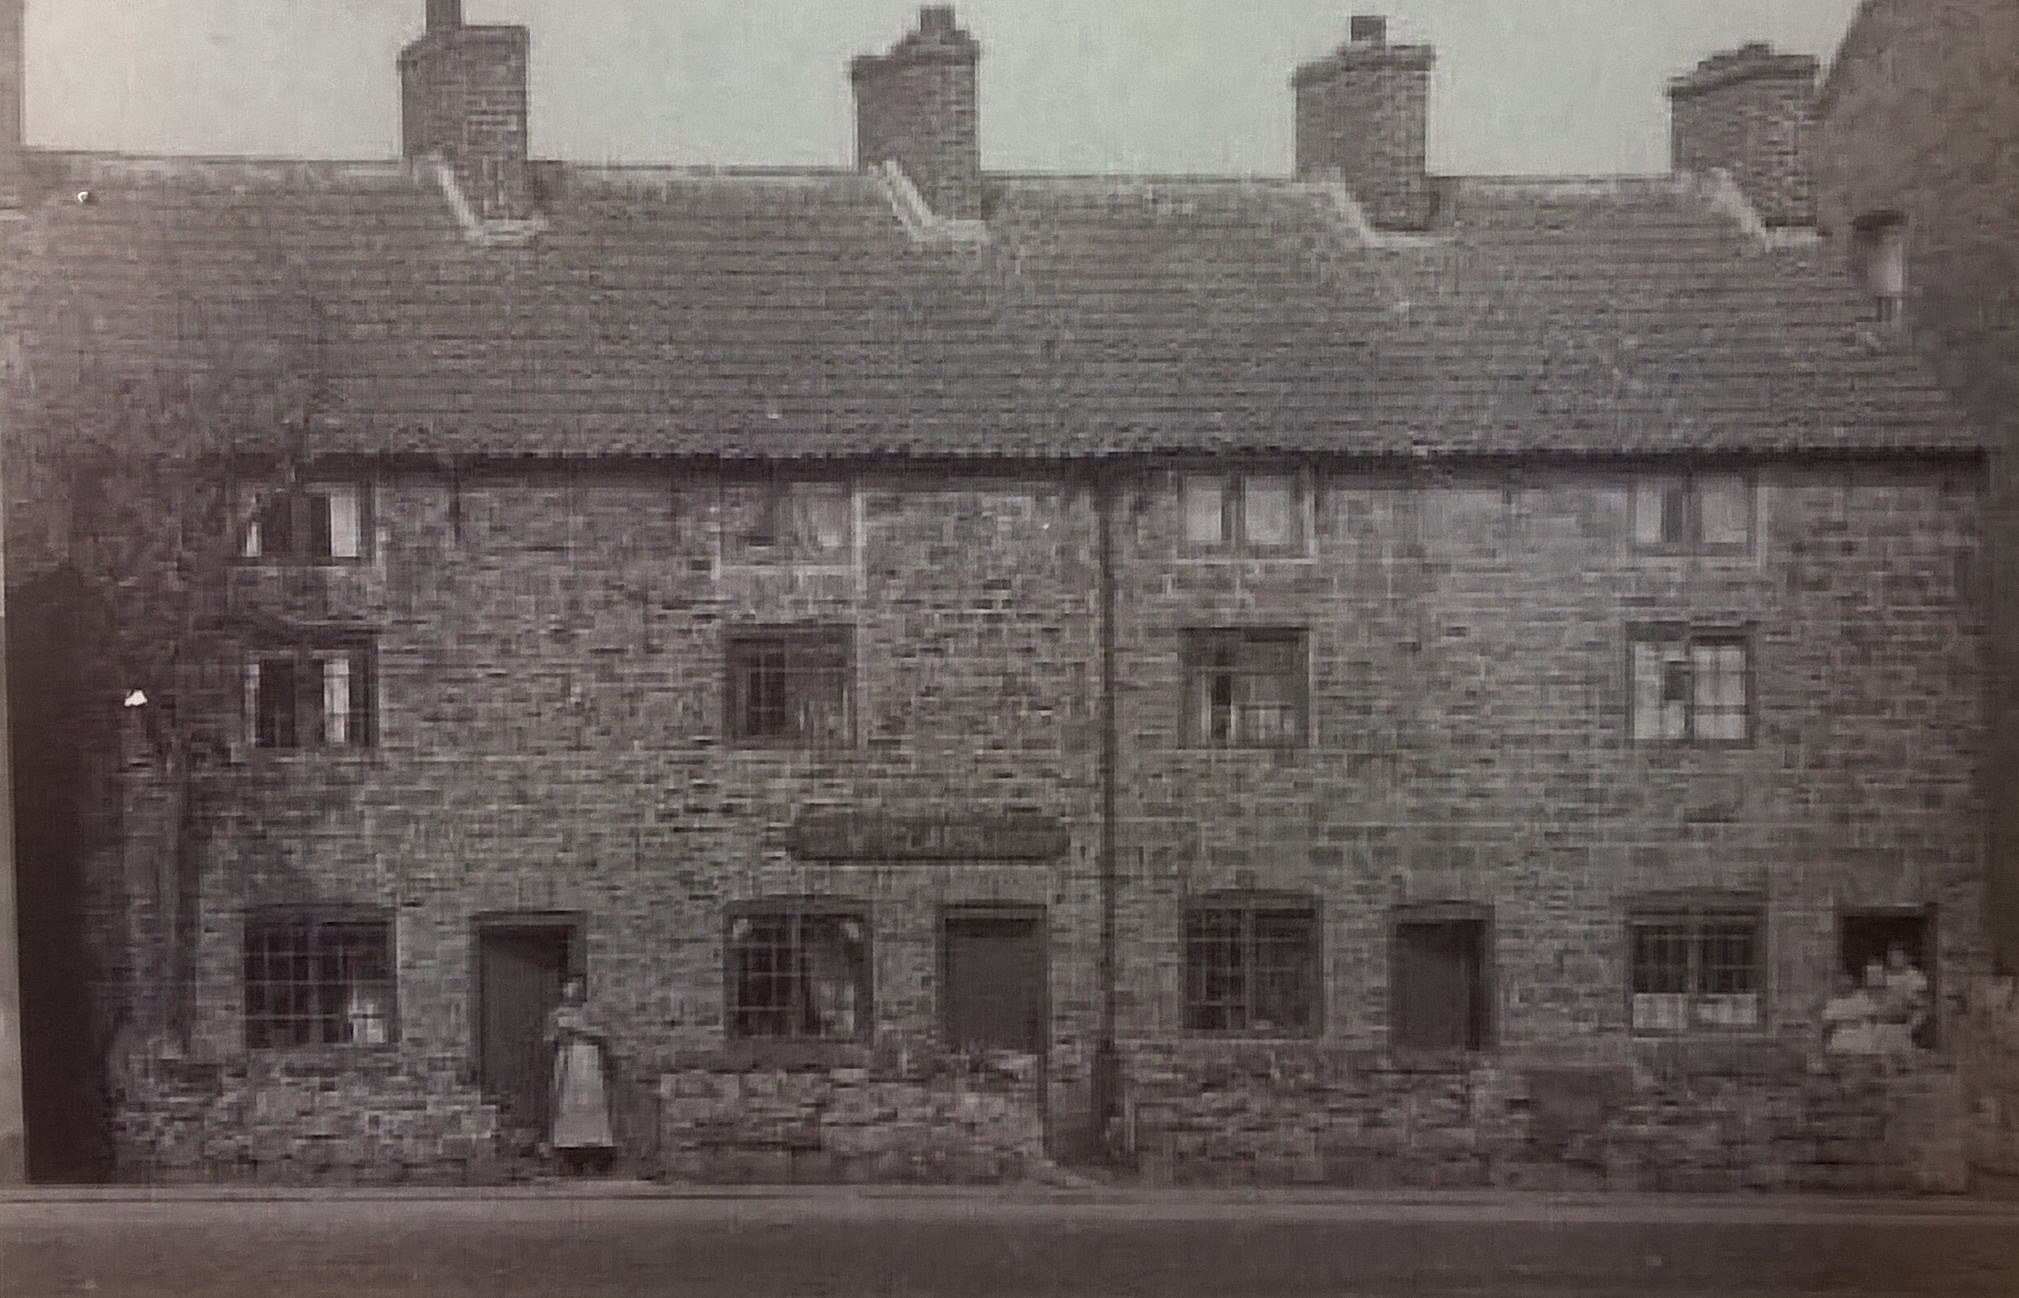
(377, 1118)
(13, 18)
(1920, 117)
(551, 677)
(464, 95)
(1751, 113)
(1364, 113)
(918, 105)
(1467, 646)
(551, 739)
(1675, 1119)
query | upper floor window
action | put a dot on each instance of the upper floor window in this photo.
(1251, 966)
(313, 696)
(1245, 687)
(318, 977)
(788, 521)
(315, 523)
(1696, 964)
(1879, 259)
(799, 970)
(1691, 685)
(1256, 513)
(789, 685)
(1693, 512)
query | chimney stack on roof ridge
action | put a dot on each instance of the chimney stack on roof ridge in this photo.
(1363, 114)
(1751, 113)
(464, 98)
(917, 106)
(13, 60)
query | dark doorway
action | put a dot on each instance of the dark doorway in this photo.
(994, 993)
(522, 962)
(1440, 997)
(1864, 937)
(52, 627)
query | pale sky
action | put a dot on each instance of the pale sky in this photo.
(1521, 86)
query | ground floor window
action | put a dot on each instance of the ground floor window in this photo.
(799, 972)
(1697, 965)
(1251, 966)
(318, 978)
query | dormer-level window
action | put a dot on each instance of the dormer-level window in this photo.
(1693, 512)
(1879, 257)
(315, 523)
(789, 522)
(1252, 513)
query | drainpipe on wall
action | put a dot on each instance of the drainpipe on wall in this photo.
(1107, 1064)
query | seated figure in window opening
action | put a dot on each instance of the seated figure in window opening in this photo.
(1851, 1017)
(580, 1133)
(1902, 992)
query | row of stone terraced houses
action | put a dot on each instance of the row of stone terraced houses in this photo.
(1366, 677)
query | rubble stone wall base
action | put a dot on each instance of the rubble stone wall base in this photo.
(1991, 1078)
(942, 1122)
(376, 1121)
(1660, 1120)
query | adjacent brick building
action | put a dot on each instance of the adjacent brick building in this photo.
(1917, 165)
(1368, 677)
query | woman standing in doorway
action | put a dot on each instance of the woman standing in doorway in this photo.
(580, 1132)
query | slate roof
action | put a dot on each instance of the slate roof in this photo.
(790, 314)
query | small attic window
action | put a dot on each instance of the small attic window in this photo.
(1879, 258)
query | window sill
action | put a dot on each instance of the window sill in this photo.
(1202, 1037)
(1300, 555)
(254, 563)
(793, 563)
(346, 756)
(787, 1053)
(310, 1061)
(1699, 551)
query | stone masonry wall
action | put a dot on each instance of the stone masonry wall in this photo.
(1467, 645)
(1919, 117)
(900, 1115)
(551, 740)
(1771, 1120)
(382, 1117)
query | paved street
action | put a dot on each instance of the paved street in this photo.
(919, 1243)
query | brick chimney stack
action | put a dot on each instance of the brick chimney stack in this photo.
(464, 93)
(13, 59)
(1363, 113)
(917, 106)
(1751, 112)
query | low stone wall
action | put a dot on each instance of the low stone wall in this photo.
(1668, 1118)
(1989, 1039)
(926, 1118)
(371, 1119)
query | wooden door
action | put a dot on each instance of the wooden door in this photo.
(995, 982)
(1440, 993)
(519, 977)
